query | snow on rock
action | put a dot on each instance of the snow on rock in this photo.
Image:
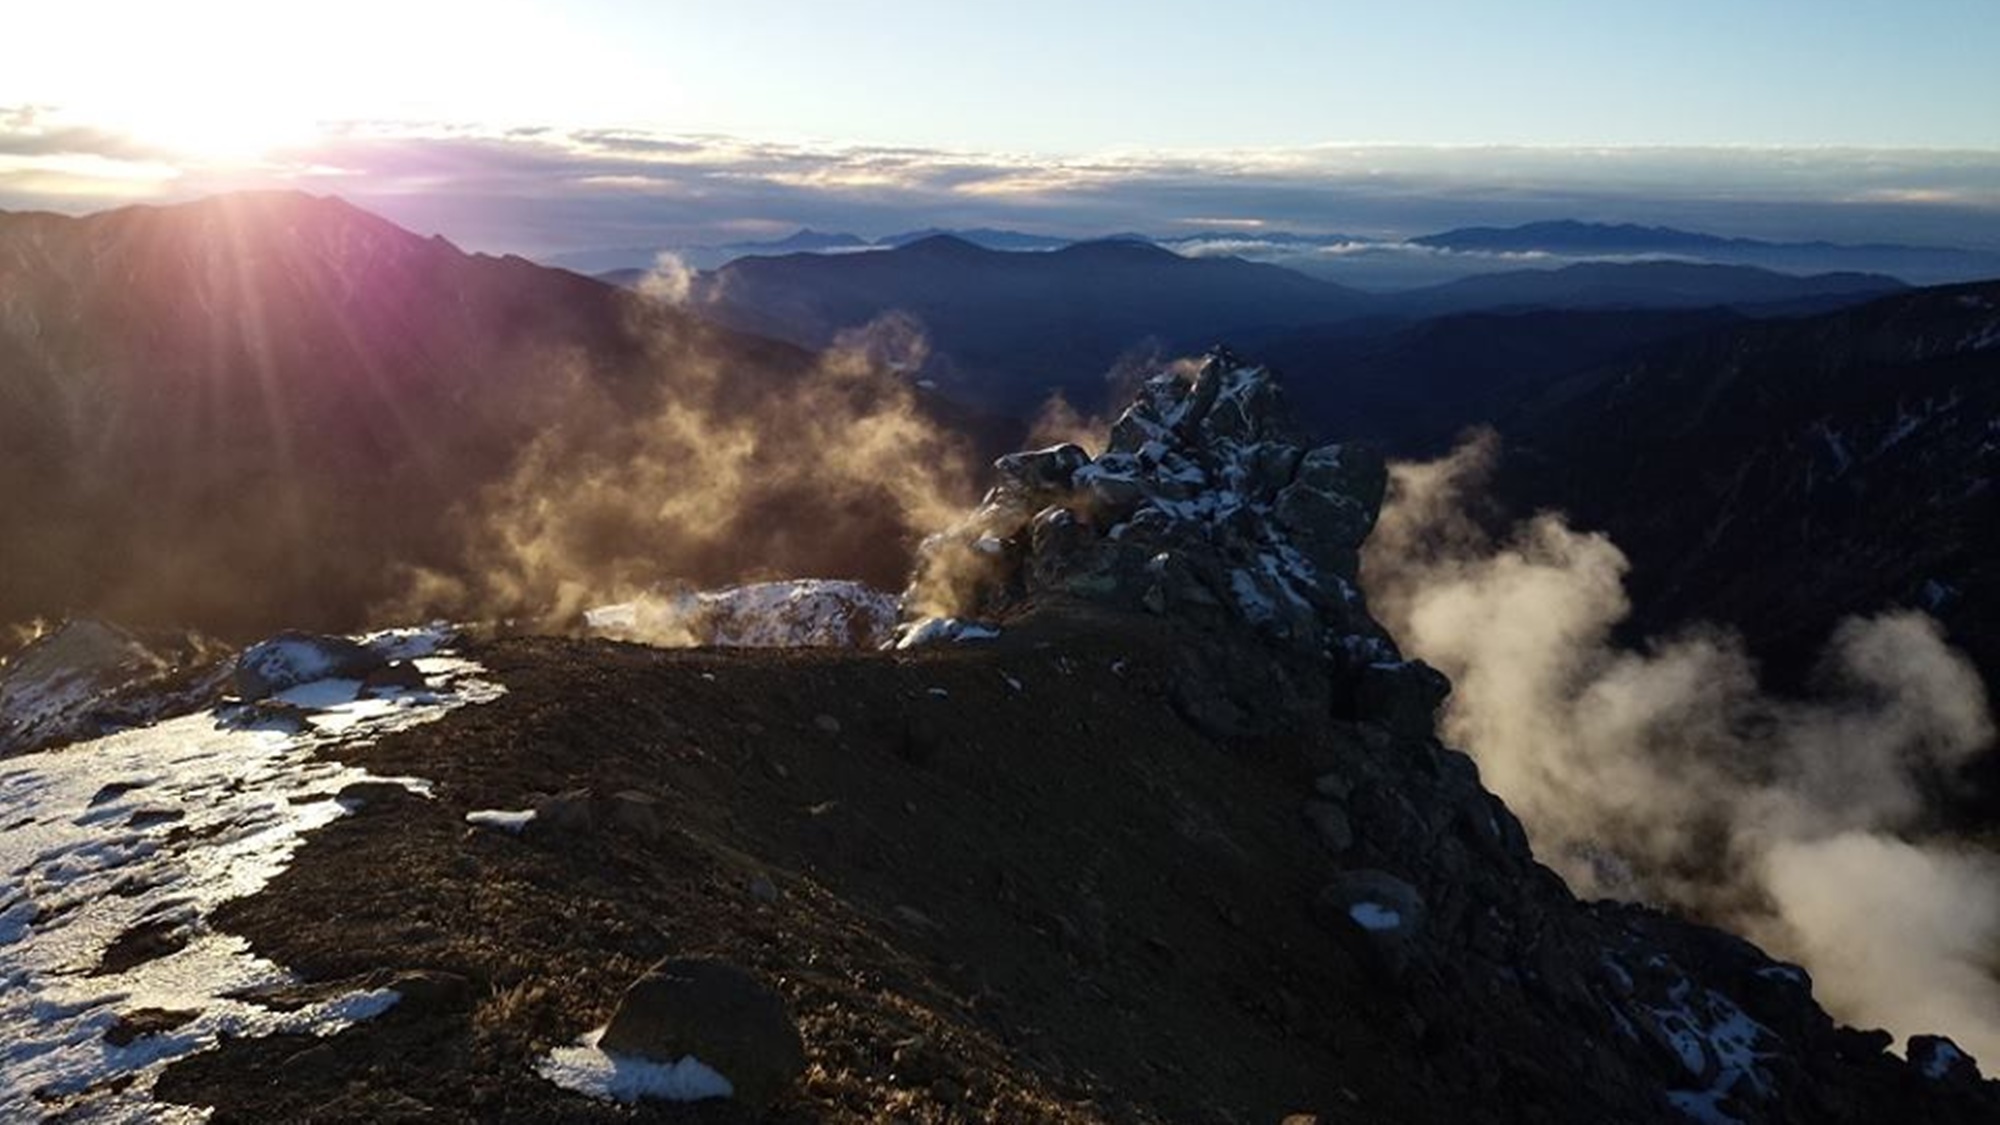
(87, 678)
(1206, 503)
(118, 851)
(601, 1074)
(801, 613)
(1374, 916)
(937, 630)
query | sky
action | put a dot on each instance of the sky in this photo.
(545, 125)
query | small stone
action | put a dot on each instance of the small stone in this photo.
(568, 811)
(827, 723)
(427, 991)
(947, 1091)
(637, 813)
(138, 1024)
(1329, 821)
(763, 890)
(395, 676)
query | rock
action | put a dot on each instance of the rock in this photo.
(569, 811)
(395, 676)
(431, 991)
(1042, 470)
(1940, 1060)
(1404, 696)
(763, 889)
(719, 1014)
(293, 658)
(1203, 508)
(1329, 822)
(637, 813)
(827, 724)
(365, 794)
(1376, 916)
(142, 1022)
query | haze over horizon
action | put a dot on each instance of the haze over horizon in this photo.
(539, 129)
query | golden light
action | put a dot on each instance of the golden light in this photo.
(233, 82)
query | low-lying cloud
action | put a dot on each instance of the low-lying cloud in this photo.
(1668, 774)
(734, 472)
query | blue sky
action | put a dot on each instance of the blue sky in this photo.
(537, 126)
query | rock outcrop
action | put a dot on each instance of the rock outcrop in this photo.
(87, 678)
(1207, 508)
(1208, 512)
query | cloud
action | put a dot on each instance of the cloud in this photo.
(538, 189)
(1668, 774)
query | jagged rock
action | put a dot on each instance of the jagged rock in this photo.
(1940, 1060)
(1205, 508)
(87, 678)
(719, 1014)
(293, 658)
(1376, 916)
(1403, 696)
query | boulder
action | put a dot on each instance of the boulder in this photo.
(717, 1013)
(1376, 916)
(293, 658)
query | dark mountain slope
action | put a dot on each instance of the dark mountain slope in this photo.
(243, 411)
(1782, 474)
(1649, 285)
(1009, 327)
(1414, 387)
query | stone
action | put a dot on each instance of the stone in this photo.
(1376, 916)
(636, 813)
(395, 676)
(431, 991)
(720, 1014)
(1941, 1060)
(826, 724)
(568, 811)
(293, 658)
(1329, 822)
(143, 1022)
(1403, 697)
(1041, 470)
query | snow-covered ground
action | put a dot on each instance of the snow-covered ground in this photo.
(805, 612)
(146, 832)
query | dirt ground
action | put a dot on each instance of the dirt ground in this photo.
(993, 882)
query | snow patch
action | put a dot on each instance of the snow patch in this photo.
(611, 1077)
(148, 831)
(802, 613)
(501, 820)
(1374, 917)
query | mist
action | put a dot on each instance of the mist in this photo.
(1668, 774)
(733, 472)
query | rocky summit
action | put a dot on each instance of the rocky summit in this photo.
(1145, 820)
(1208, 509)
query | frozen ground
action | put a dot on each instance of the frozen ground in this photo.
(116, 853)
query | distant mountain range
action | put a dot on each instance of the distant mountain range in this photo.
(1383, 263)
(1007, 328)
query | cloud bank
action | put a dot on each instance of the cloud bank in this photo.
(1669, 775)
(543, 191)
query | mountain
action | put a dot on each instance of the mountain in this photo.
(1779, 475)
(1006, 328)
(248, 411)
(1648, 285)
(1176, 841)
(987, 237)
(1573, 239)
(1412, 387)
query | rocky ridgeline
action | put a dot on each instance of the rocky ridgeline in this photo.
(1209, 512)
(1207, 508)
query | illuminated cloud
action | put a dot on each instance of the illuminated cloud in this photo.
(542, 190)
